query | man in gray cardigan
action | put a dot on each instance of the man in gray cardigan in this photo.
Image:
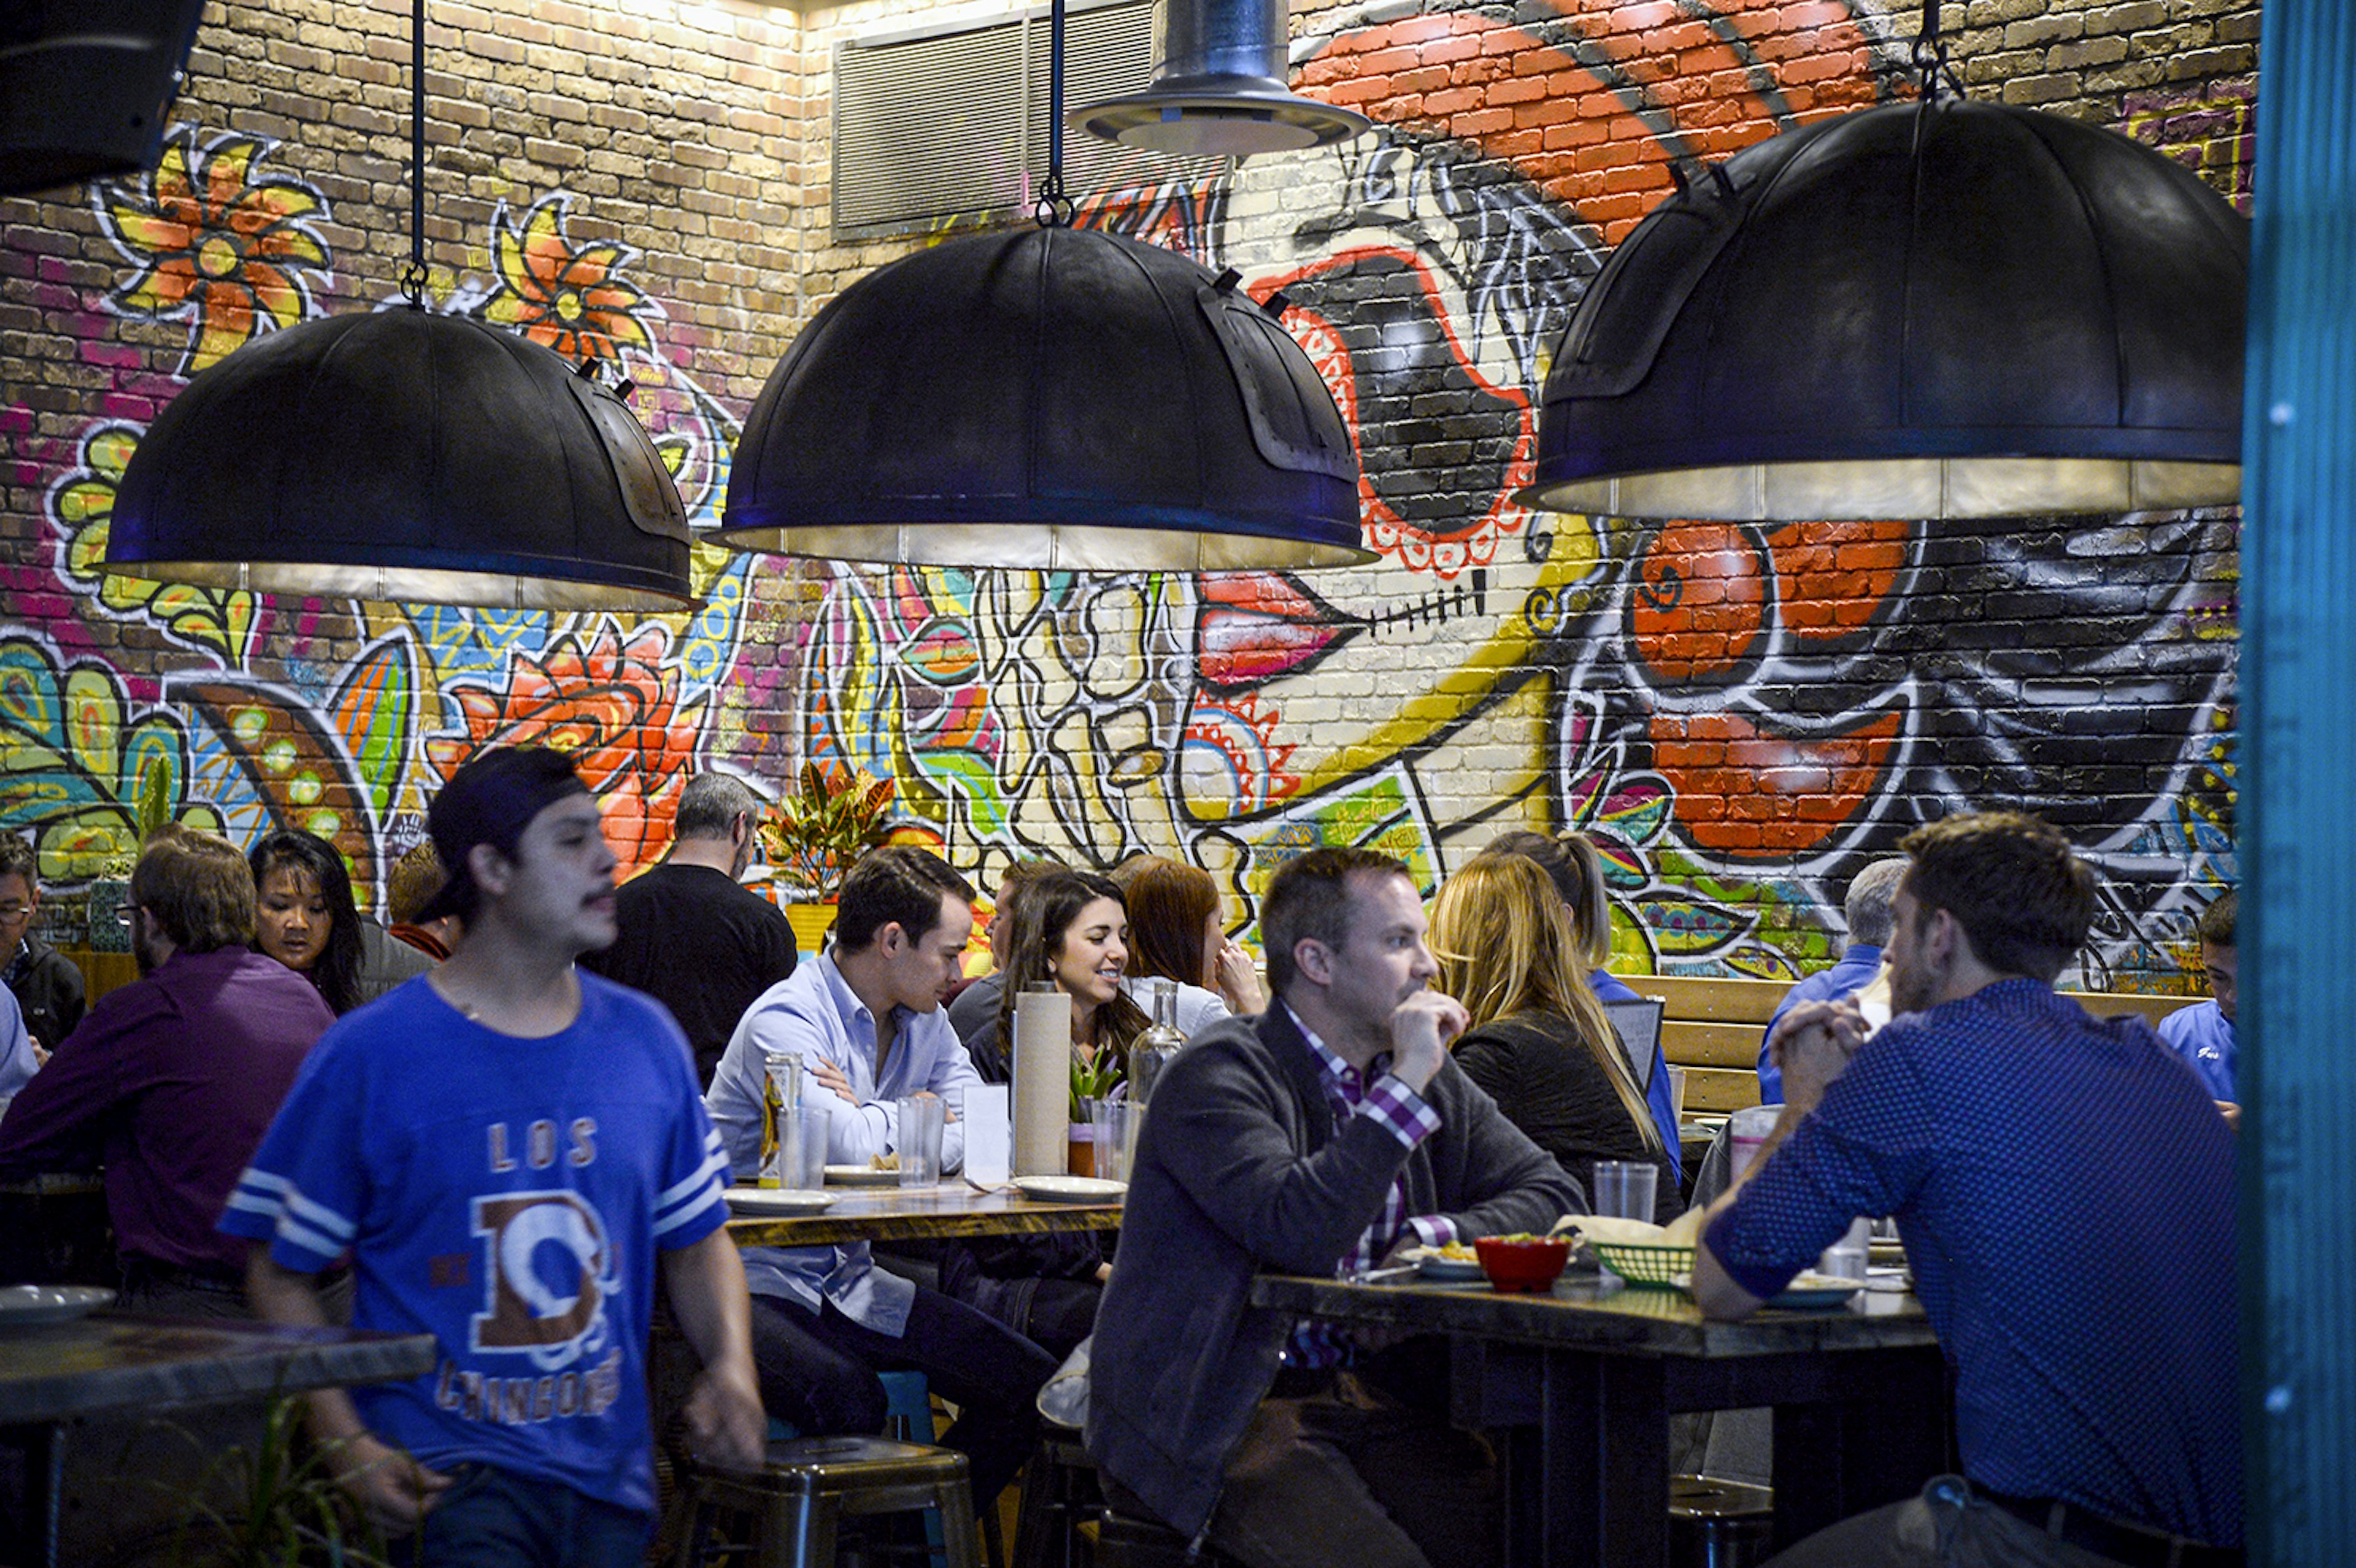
(1315, 1139)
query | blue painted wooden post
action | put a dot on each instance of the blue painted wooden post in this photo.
(2298, 798)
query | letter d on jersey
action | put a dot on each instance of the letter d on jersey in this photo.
(549, 1272)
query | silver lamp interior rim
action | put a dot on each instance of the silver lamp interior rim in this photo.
(1864, 488)
(1037, 547)
(1172, 119)
(413, 585)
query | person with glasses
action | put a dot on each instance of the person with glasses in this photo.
(171, 1080)
(46, 983)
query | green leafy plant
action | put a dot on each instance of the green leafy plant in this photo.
(151, 809)
(274, 1505)
(814, 834)
(1094, 1079)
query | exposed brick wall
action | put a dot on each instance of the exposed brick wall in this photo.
(673, 160)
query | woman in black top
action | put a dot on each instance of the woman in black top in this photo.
(1539, 1043)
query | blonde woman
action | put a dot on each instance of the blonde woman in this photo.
(1572, 865)
(1539, 1043)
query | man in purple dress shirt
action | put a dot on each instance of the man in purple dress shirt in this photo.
(171, 1080)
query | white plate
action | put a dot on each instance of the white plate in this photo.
(1069, 1188)
(861, 1175)
(24, 1304)
(1811, 1289)
(1449, 1268)
(776, 1201)
(1807, 1292)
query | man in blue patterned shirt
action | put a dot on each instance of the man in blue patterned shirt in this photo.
(1312, 1139)
(2064, 1188)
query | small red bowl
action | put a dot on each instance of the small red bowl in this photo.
(1513, 1265)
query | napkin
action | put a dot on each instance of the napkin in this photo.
(987, 1148)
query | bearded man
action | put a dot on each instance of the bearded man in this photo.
(2065, 1191)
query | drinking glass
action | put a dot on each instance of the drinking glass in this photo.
(1748, 1129)
(1624, 1188)
(922, 1117)
(1847, 1258)
(1117, 1124)
(801, 1158)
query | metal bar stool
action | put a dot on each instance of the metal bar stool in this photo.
(810, 1485)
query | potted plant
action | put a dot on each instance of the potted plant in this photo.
(1093, 1078)
(814, 833)
(151, 809)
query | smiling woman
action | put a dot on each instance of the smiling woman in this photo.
(1070, 927)
(303, 915)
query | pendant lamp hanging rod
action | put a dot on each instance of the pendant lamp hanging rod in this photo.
(1055, 209)
(1928, 56)
(412, 278)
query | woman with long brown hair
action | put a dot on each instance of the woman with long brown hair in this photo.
(1540, 1043)
(1177, 931)
(1072, 928)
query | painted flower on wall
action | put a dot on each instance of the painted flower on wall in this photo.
(215, 243)
(81, 507)
(614, 705)
(568, 296)
(72, 743)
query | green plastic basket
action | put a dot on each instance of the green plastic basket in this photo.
(1640, 1264)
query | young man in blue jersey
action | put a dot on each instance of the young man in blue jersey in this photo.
(505, 1146)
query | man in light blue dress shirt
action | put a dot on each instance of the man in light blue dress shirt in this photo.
(867, 1025)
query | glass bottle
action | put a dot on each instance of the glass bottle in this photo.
(1153, 1050)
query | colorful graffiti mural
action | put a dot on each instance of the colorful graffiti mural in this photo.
(1739, 716)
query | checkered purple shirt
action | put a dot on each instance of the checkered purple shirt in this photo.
(1409, 1118)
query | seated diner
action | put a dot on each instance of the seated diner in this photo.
(1318, 1138)
(2064, 1188)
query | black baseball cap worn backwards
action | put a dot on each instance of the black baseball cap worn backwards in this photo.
(491, 799)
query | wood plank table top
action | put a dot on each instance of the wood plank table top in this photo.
(1582, 1382)
(1594, 1312)
(912, 1214)
(117, 1361)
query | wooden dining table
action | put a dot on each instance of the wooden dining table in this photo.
(51, 1373)
(1581, 1383)
(943, 1212)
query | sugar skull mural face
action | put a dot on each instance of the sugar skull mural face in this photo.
(1738, 716)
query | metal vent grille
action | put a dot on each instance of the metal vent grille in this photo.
(949, 124)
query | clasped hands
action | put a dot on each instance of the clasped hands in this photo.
(1811, 1045)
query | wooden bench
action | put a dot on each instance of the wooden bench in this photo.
(1711, 1027)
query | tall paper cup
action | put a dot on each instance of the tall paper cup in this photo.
(1748, 1129)
(1042, 1080)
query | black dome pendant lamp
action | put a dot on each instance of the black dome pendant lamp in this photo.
(1935, 309)
(1048, 397)
(400, 454)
